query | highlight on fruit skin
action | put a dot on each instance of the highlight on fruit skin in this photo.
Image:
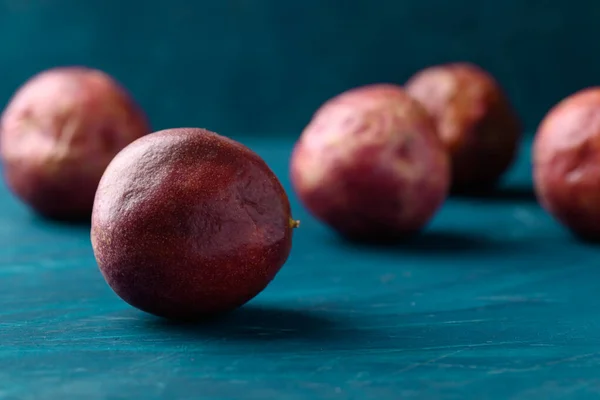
(189, 224)
(566, 163)
(474, 118)
(370, 164)
(58, 133)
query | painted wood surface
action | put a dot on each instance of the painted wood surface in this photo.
(493, 301)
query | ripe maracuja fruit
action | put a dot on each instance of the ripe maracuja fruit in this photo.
(474, 119)
(188, 223)
(370, 164)
(59, 132)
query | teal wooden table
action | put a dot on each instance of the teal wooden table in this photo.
(493, 301)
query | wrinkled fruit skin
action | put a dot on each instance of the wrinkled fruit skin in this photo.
(370, 165)
(59, 132)
(188, 224)
(566, 162)
(474, 119)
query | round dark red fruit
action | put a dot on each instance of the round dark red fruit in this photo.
(59, 132)
(370, 165)
(566, 162)
(188, 223)
(475, 120)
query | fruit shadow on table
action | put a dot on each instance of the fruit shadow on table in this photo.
(260, 322)
(83, 224)
(277, 329)
(440, 242)
(516, 193)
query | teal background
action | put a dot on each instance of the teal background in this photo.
(494, 301)
(263, 66)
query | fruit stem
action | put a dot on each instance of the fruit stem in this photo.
(294, 223)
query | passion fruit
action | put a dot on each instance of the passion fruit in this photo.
(566, 162)
(59, 132)
(370, 164)
(189, 224)
(474, 119)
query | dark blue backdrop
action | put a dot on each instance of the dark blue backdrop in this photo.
(263, 66)
(494, 301)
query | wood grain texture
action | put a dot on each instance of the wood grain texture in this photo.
(493, 301)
